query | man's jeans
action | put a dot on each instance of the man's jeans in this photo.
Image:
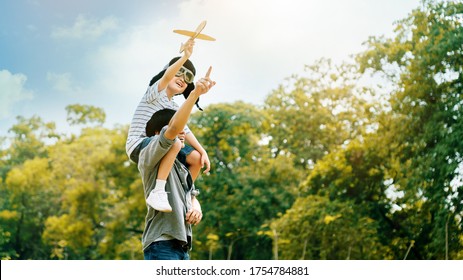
(166, 250)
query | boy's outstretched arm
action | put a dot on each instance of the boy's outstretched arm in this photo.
(180, 118)
(191, 139)
(173, 69)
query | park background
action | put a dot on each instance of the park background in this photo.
(335, 157)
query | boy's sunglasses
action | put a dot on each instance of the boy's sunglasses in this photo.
(188, 76)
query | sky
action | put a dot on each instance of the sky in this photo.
(104, 53)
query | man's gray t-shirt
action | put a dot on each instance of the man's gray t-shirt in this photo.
(160, 224)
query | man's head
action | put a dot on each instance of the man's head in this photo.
(158, 120)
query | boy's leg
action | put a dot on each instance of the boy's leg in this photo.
(193, 160)
(168, 161)
(158, 196)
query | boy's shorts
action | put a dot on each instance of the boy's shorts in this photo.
(181, 156)
(135, 155)
(184, 152)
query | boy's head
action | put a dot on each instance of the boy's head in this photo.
(190, 86)
(158, 120)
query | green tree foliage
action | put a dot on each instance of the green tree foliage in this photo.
(24, 187)
(346, 191)
(398, 179)
(315, 113)
(28, 141)
(31, 199)
(253, 185)
(78, 199)
(426, 63)
(317, 227)
(320, 120)
(85, 114)
(100, 210)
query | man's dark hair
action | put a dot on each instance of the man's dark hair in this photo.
(158, 120)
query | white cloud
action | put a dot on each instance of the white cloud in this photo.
(139, 53)
(61, 82)
(259, 44)
(85, 28)
(12, 91)
(123, 69)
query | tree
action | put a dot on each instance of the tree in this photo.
(26, 196)
(85, 114)
(246, 186)
(317, 227)
(315, 113)
(101, 211)
(425, 62)
(30, 137)
(73, 198)
(343, 208)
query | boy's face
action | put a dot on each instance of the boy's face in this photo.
(177, 85)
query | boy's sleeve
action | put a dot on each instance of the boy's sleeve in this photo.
(152, 93)
(156, 150)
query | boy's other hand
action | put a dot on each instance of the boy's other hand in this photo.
(205, 84)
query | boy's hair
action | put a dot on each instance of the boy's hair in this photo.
(190, 87)
(158, 120)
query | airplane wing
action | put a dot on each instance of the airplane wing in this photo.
(192, 34)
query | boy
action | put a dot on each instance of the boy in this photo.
(176, 78)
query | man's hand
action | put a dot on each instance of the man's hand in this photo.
(194, 216)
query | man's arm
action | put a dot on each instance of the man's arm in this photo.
(194, 215)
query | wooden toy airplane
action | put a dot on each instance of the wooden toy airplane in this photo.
(194, 34)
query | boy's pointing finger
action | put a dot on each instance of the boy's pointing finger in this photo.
(209, 72)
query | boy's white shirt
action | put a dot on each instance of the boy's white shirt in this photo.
(151, 102)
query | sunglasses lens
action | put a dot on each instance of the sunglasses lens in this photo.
(188, 76)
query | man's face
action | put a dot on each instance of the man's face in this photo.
(181, 137)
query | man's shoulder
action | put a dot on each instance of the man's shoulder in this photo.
(145, 142)
(162, 136)
(158, 139)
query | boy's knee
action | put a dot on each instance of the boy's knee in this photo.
(194, 158)
(177, 146)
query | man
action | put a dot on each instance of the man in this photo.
(168, 235)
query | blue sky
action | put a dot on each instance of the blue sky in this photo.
(103, 53)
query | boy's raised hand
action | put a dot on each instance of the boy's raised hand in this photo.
(188, 47)
(203, 85)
